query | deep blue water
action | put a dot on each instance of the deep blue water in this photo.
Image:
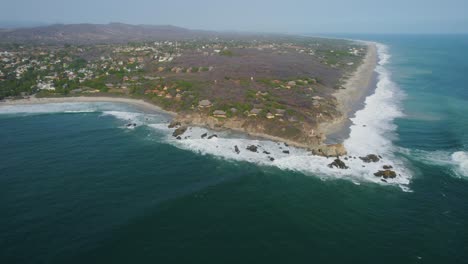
(79, 188)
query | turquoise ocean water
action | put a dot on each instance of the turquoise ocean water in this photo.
(77, 186)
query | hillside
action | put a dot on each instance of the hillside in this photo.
(96, 33)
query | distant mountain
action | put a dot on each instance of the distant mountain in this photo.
(97, 33)
(6, 24)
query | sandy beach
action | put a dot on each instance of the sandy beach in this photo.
(80, 99)
(351, 99)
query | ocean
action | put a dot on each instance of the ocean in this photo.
(78, 186)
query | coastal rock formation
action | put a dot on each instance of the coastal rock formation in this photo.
(385, 174)
(338, 164)
(204, 135)
(213, 136)
(179, 131)
(334, 150)
(387, 167)
(370, 158)
(174, 124)
(298, 137)
(236, 149)
(252, 148)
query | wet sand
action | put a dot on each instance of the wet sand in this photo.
(351, 99)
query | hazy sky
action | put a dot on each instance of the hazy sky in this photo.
(294, 16)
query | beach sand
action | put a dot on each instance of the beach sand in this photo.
(351, 99)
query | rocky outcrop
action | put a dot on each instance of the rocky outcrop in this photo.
(387, 167)
(335, 150)
(236, 149)
(174, 124)
(337, 163)
(252, 148)
(370, 158)
(385, 174)
(204, 135)
(213, 136)
(179, 131)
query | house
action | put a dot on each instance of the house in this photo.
(46, 86)
(219, 113)
(178, 96)
(204, 104)
(270, 116)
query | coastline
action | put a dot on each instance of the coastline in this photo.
(360, 85)
(351, 99)
(89, 99)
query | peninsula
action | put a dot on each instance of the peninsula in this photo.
(294, 89)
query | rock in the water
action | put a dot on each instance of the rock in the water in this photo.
(212, 136)
(272, 159)
(204, 135)
(252, 148)
(179, 131)
(387, 167)
(266, 152)
(385, 174)
(338, 164)
(370, 158)
(286, 151)
(178, 138)
(174, 124)
(236, 149)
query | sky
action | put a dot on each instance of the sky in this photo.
(292, 16)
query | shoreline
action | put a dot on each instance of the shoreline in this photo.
(358, 87)
(360, 84)
(140, 103)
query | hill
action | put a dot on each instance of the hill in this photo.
(97, 33)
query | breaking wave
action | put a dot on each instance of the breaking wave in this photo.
(457, 161)
(29, 109)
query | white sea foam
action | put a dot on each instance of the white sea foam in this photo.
(371, 132)
(48, 108)
(457, 161)
(73, 107)
(124, 115)
(460, 158)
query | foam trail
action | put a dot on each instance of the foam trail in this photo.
(460, 158)
(59, 108)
